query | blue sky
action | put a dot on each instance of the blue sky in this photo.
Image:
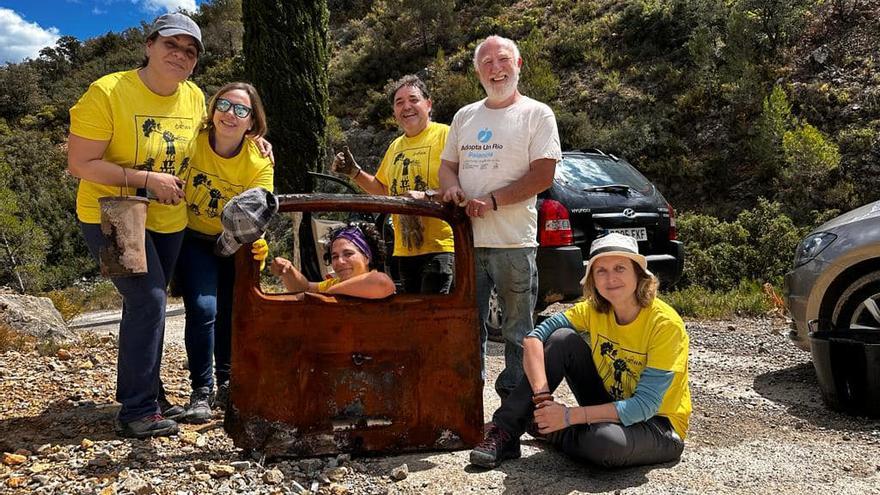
(26, 26)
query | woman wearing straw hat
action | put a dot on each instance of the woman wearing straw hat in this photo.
(624, 354)
(133, 130)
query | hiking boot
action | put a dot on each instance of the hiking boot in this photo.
(497, 446)
(222, 396)
(199, 408)
(169, 410)
(150, 426)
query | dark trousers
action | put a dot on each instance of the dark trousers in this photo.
(432, 273)
(206, 282)
(142, 328)
(567, 355)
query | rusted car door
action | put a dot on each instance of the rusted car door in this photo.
(338, 374)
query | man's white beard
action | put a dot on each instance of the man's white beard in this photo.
(504, 92)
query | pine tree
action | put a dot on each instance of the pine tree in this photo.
(286, 56)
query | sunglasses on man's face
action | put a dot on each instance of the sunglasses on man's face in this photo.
(240, 111)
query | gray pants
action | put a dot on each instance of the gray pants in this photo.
(605, 444)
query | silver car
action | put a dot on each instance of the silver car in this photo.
(836, 275)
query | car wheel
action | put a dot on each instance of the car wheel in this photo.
(493, 321)
(859, 306)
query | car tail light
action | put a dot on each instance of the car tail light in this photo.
(554, 227)
(673, 231)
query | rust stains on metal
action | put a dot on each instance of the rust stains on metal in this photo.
(336, 374)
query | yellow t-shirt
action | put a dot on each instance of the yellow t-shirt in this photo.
(413, 163)
(145, 131)
(656, 339)
(326, 284)
(212, 180)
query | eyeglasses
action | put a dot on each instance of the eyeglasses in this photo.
(240, 111)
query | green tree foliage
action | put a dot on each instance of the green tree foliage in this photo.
(452, 90)
(774, 122)
(22, 242)
(285, 47)
(758, 245)
(810, 158)
(537, 78)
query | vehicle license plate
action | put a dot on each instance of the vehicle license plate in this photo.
(640, 234)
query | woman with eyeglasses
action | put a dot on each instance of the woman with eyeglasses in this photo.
(226, 161)
(354, 252)
(131, 131)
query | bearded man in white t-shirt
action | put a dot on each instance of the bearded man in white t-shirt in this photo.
(500, 153)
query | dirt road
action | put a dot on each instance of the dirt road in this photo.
(759, 426)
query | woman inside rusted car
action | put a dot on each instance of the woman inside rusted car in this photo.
(354, 252)
(624, 355)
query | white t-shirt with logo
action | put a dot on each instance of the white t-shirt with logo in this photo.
(493, 148)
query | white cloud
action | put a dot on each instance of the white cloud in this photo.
(20, 39)
(169, 5)
(98, 11)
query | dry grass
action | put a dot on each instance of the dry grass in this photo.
(10, 340)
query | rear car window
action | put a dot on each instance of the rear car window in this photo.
(583, 171)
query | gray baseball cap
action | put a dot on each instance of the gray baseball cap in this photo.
(175, 23)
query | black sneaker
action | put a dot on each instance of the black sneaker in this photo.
(222, 396)
(199, 408)
(169, 410)
(497, 446)
(150, 426)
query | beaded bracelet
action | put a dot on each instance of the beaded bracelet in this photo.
(567, 419)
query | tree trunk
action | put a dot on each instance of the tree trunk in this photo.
(286, 56)
(11, 257)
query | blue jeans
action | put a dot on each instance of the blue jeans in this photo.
(206, 281)
(514, 274)
(142, 328)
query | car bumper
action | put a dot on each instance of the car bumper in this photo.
(560, 270)
(668, 267)
(798, 286)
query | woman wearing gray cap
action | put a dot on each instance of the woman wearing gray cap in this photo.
(132, 130)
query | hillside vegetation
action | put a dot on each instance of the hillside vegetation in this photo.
(756, 118)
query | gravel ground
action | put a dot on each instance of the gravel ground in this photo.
(759, 426)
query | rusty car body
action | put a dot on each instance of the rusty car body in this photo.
(328, 374)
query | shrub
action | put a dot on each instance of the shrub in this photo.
(809, 159)
(744, 299)
(10, 340)
(757, 246)
(538, 80)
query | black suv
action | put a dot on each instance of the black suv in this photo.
(594, 193)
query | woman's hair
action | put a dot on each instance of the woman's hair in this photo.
(259, 125)
(146, 59)
(646, 289)
(371, 235)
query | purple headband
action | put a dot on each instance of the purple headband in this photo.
(357, 237)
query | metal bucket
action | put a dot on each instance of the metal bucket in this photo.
(123, 223)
